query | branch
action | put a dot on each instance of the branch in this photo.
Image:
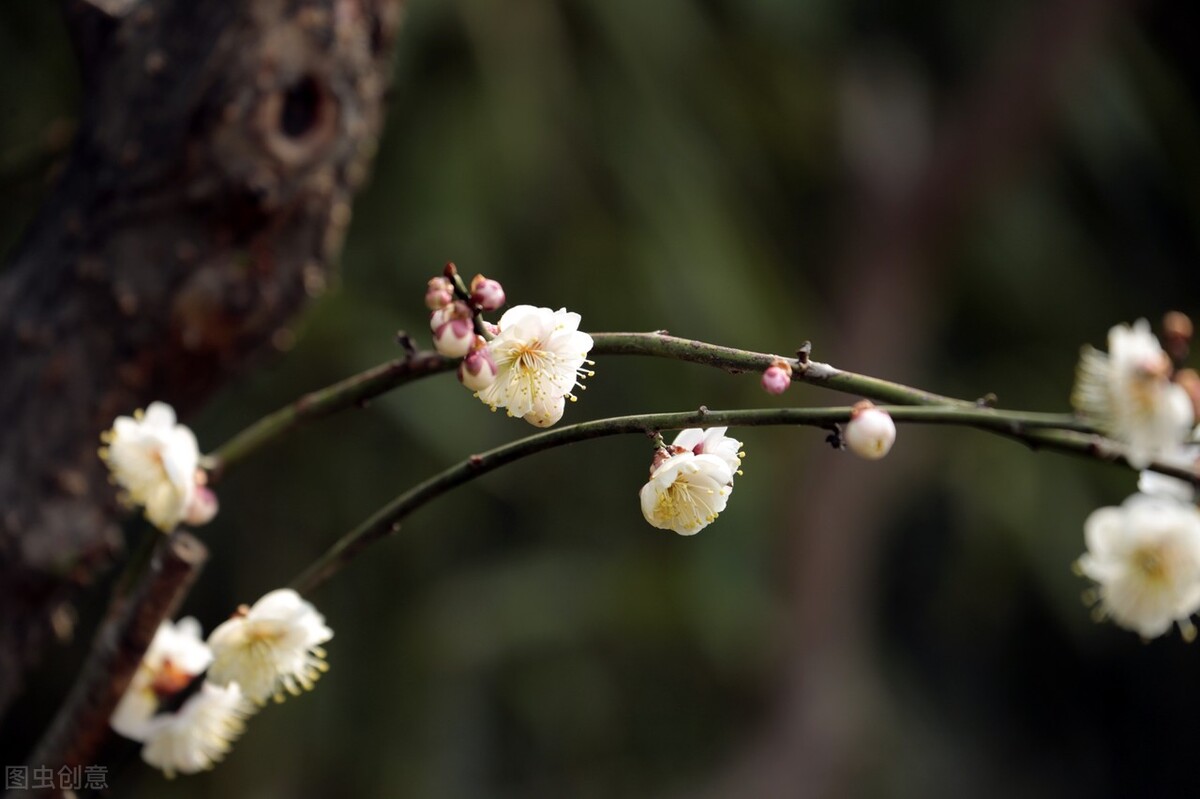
(81, 725)
(352, 392)
(1058, 432)
(356, 390)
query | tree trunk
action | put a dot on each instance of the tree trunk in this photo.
(204, 200)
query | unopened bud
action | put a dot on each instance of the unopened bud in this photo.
(439, 293)
(454, 338)
(1177, 334)
(488, 294)
(447, 313)
(777, 377)
(202, 507)
(478, 370)
(870, 432)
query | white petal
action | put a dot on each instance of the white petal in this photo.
(199, 734)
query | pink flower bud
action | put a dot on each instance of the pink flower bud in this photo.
(777, 377)
(202, 507)
(488, 294)
(870, 432)
(478, 370)
(439, 293)
(454, 338)
(455, 310)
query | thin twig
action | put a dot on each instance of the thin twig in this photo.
(355, 390)
(348, 393)
(1064, 435)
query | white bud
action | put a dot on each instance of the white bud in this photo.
(478, 370)
(455, 310)
(454, 338)
(870, 432)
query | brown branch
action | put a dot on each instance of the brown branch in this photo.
(81, 725)
(204, 200)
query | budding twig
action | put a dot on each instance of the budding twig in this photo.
(381, 379)
(1062, 432)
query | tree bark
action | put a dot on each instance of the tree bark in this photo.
(205, 198)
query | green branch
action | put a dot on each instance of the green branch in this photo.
(359, 388)
(352, 392)
(1063, 433)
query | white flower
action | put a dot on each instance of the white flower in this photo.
(870, 432)
(687, 492)
(176, 656)
(1129, 394)
(154, 460)
(1145, 557)
(198, 735)
(539, 356)
(271, 648)
(712, 441)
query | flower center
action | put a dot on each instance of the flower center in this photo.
(530, 357)
(685, 502)
(1151, 563)
(169, 680)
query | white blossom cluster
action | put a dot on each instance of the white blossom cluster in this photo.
(529, 363)
(1144, 555)
(187, 719)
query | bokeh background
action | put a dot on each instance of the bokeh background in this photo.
(956, 195)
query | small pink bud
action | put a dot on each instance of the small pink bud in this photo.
(438, 294)
(777, 377)
(202, 507)
(454, 338)
(478, 370)
(455, 310)
(870, 432)
(488, 294)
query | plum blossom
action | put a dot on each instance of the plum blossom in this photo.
(1129, 394)
(686, 492)
(271, 649)
(1144, 556)
(154, 460)
(176, 656)
(539, 356)
(200, 733)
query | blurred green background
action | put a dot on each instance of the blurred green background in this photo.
(956, 195)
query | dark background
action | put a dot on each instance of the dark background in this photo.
(956, 195)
